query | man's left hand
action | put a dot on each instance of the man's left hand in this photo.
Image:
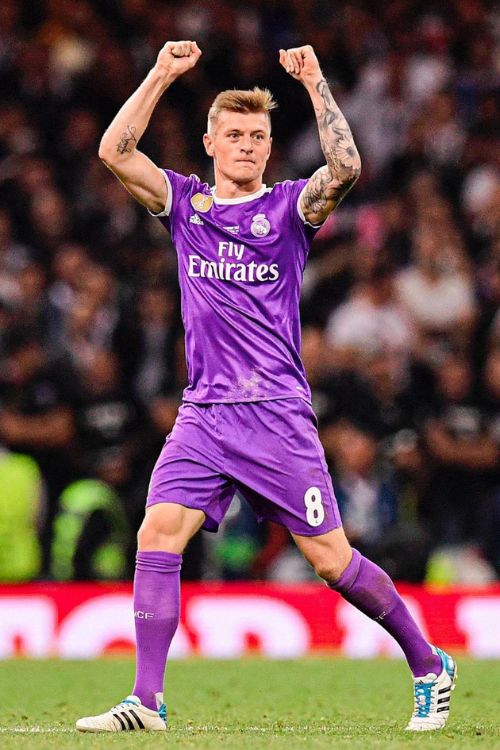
(302, 64)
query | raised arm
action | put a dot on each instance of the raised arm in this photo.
(330, 183)
(118, 148)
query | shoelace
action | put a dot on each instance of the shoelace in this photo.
(423, 698)
(123, 705)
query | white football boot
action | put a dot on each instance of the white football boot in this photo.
(129, 715)
(432, 696)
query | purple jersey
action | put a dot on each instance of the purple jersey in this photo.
(241, 262)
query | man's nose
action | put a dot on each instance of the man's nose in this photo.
(246, 145)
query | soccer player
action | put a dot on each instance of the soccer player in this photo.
(246, 420)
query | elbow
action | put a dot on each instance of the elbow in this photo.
(349, 178)
(353, 172)
(356, 168)
(105, 153)
(108, 151)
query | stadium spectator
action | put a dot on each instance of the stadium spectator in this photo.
(108, 423)
(461, 441)
(67, 268)
(21, 514)
(145, 343)
(367, 500)
(90, 533)
(437, 293)
(36, 417)
(371, 319)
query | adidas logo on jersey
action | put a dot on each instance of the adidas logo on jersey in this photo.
(195, 219)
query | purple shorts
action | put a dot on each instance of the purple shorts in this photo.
(267, 450)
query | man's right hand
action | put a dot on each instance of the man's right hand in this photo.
(118, 148)
(175, 58)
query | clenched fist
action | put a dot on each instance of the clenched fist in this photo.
(302, 64)
(175, 58)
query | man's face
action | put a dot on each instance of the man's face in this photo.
(240, 145)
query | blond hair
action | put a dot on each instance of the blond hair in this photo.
(238, 100)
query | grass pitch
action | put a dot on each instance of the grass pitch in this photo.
(249, 704)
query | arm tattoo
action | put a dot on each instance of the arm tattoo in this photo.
(336, 137)
(127, 138)
(328, 185)
(314, 197)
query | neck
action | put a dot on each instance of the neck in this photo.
(225, 187)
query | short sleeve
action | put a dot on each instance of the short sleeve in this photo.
(178, 188)
(303, 219)
(294, 190)
(168, 202)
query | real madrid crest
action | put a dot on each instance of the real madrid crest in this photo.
(201, 202)
(260, 225)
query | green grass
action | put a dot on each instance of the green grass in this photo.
(253, 703)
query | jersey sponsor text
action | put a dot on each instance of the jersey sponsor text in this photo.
(225, 270)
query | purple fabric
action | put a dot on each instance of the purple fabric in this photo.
(240, 271)
(368, 588)
(269, 451)
(156, 614)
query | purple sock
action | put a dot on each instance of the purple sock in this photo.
(156, 614)
(370, 590)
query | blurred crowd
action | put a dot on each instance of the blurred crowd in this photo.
(401, 321)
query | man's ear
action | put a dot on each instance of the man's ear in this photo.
(269, 149)
(209, 144)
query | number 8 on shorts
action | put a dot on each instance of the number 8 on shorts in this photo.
(315, 513)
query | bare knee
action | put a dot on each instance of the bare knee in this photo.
(329, 554)
(330, 569)
(168, 527)
(153, 536)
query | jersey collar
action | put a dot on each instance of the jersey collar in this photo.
(241, 199)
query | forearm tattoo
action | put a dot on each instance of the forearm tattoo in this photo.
(328, 185)
(128, 140)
